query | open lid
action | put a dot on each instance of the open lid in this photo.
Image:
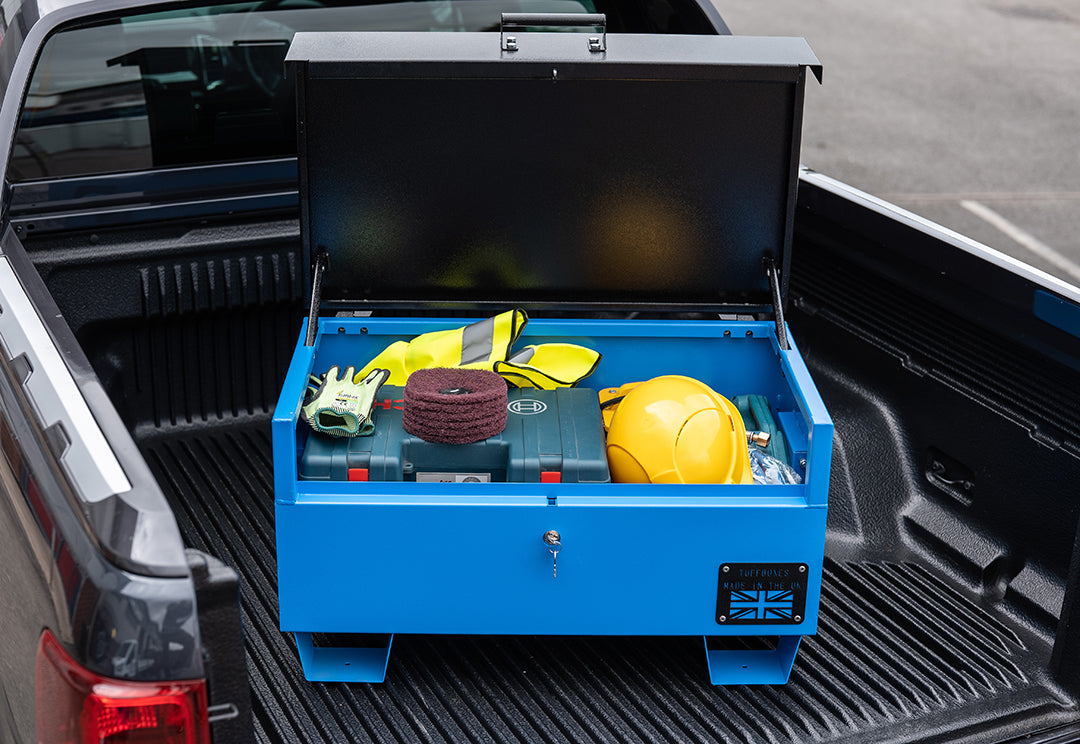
(444, 168)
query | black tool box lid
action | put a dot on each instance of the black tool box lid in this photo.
(442, 168)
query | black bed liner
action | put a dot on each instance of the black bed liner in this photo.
(915, 642)
(903, 651)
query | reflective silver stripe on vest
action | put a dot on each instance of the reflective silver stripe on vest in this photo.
(477, 341)
(523, 356)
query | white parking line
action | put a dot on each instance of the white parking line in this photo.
(1022, 237)
(984, 196)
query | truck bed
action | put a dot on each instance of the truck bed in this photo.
(904, 650)
(951, 533)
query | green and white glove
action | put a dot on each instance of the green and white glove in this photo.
(341, 407)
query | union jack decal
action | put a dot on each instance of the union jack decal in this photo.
(762, 605)
(762, 593)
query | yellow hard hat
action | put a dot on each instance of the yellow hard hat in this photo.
(675, 429)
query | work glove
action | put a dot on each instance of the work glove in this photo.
(341, 407)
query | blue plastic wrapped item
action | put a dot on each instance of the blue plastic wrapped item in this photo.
(768, 470)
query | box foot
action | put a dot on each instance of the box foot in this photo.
(735, 660)
(338, 662)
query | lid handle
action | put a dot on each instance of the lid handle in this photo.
(511, 21)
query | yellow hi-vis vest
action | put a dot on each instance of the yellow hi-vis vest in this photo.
(486, 344)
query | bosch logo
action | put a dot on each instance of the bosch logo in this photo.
(526, 406)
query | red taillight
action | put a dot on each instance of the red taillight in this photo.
(76, 706)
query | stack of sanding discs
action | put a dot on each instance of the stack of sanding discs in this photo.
(454, 406)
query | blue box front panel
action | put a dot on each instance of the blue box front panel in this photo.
(483, 568)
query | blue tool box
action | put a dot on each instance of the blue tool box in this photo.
(550, 435)
(636, 195)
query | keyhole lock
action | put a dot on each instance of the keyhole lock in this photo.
(553, 541)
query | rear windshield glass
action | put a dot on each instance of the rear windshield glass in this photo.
(206, 85)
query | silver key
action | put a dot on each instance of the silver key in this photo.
(553, 541)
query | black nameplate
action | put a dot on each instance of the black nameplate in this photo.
(761, 594)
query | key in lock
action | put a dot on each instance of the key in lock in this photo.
(553, 542)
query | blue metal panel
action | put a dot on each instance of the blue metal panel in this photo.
(359, 664)
(465, 494)
(817, 424)
(752, 667)
(626, 568)
(731, 364)
(283, 427)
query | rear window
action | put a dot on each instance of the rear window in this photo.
(205, 85)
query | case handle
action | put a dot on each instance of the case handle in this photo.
(511, 21)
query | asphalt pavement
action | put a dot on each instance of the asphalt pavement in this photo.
(966, 112)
